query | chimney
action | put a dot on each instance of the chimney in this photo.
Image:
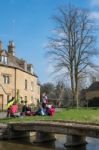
(1, 46)
(93, 79)
(11, 48)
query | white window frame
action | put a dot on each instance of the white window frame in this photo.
(32, 86)
(4, 59)
(6, 79)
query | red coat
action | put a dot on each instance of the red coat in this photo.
(14, 109)
(52, 111)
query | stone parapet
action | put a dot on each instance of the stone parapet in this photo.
(75, 131)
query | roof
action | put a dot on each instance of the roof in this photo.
(15, 62)
(94, 86)
(8, 59)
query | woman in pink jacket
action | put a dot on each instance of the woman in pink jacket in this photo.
(13, 110)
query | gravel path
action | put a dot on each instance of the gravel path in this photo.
(3, 115)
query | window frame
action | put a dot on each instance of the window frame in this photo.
(4, 59)
(32, 86)
(6, 79)
(25, 84)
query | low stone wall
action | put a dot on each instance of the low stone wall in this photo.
(7, 133)
(3, 131)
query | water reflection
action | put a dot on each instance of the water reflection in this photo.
(20, 146)
(77, 148)
(27, 144)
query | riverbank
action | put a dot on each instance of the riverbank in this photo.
(77, 115)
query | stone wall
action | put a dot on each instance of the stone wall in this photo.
(17, 82)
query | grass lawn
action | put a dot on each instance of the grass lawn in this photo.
(81, 115)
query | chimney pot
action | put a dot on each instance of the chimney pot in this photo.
(11, 48)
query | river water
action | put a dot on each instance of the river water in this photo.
(93, 144)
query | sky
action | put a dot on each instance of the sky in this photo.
(28, 23)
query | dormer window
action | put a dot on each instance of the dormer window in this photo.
(4, 59)
(30, 68)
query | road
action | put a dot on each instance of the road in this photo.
(3, 115)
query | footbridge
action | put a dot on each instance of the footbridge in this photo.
(75, 131)
(70, 128)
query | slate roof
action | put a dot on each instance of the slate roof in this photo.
(94, 86)
(14, 61)
(8, 59)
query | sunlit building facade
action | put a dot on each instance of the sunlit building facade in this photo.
(17, 78)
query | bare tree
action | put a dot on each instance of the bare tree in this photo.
(48, 88)
(72, 45)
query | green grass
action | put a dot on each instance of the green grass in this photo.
(81, 115)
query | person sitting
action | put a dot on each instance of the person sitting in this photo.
(40, 111)
(26, 110)
(50, 110)
(13, 110)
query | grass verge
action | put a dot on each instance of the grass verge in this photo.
(77, 115)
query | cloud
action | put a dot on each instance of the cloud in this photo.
(95, 2)
(94, 15)
(49, 69)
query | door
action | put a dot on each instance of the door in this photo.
(1, 102)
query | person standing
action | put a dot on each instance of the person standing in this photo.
(44, 98)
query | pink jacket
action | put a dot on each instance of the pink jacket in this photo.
(52, 111)
(14, 109)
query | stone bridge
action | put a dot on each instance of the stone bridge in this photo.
(70, 128)
(75, 131)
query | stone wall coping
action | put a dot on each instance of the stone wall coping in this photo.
(68, 124)
(59, 127)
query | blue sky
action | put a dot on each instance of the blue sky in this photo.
(28, 23)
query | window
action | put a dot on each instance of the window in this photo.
(32, 86)
(6, 79)
(25, 99)
(4, 59)
(25, 84)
